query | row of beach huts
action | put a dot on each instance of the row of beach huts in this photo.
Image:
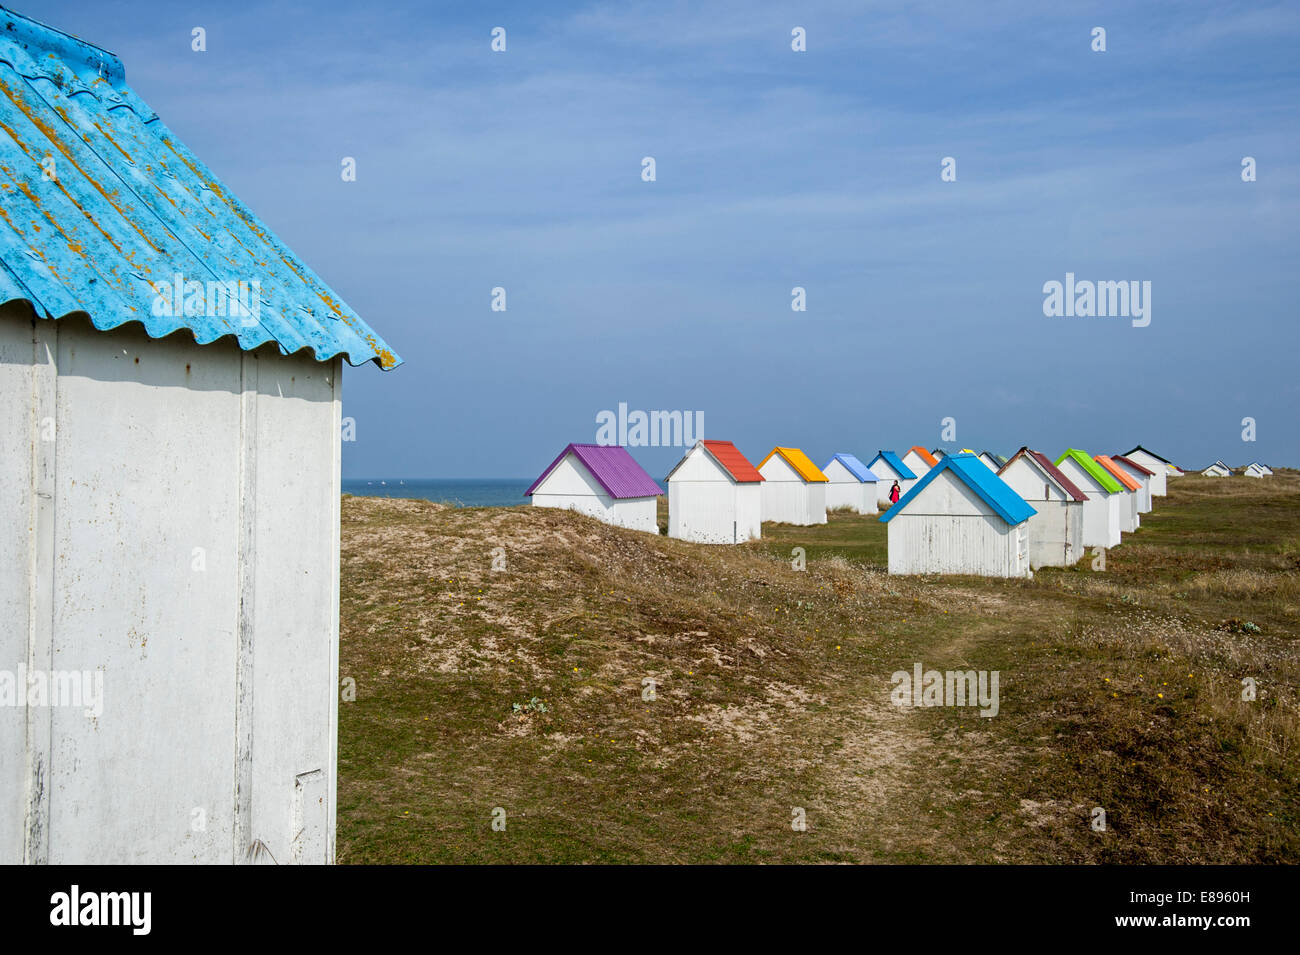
(169, 489)
(959, 513)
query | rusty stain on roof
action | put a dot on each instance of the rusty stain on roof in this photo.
(131, 208)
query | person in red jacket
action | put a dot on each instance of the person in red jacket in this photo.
(893, 494)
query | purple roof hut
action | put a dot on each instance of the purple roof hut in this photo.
(601, 481)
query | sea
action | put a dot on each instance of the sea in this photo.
(466, 492)
(463, 492)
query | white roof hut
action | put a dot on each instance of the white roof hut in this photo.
(1056, 530)
(919, 460)
(1101, 512)
(794, 490)
(1160, 468)
(1256, 470)
(1143, 475)
(602, 481)
(715, 496)
(1217, 469)
(960, 518)
(850, 484)
(888, 467)
(171, 376)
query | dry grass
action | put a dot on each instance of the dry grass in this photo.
(1120, 690)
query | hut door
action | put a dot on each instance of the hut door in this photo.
(310, 822)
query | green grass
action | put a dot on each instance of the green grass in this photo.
(859, 538)
(1119, 690)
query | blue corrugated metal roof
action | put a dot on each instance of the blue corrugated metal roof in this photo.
(895, 462)
(103, 206)
(855, 467)
(995, 492)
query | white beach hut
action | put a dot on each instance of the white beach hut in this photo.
(602, 481)
(794, 489)
(960, 518)
(1217, 469)
(715, 496)
(1160, 468)
(1101, 512)
(888, 467)
(1255, 470)
(169, 490)
(1056, 530)
(850, 484)
(1143, 475)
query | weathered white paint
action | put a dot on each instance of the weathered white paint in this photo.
(844, 490)
(219, 684)
(948, 529)
(1101, 512)
(1160, 471)
(707, 505)
(788, 498)
(1056, 531)
(1129, 519)
(572, 487)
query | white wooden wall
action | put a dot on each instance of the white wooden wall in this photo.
(1056, 531)
(1158, 486)
(1101, 524)
(1129, 517)
(845, 490)
(1144, 489)
(1145, 497)
(180, 535)
(787, 498)
(918, 465)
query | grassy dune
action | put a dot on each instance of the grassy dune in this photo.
(1119, 689)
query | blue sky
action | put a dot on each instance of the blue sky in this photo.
(775, 169)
